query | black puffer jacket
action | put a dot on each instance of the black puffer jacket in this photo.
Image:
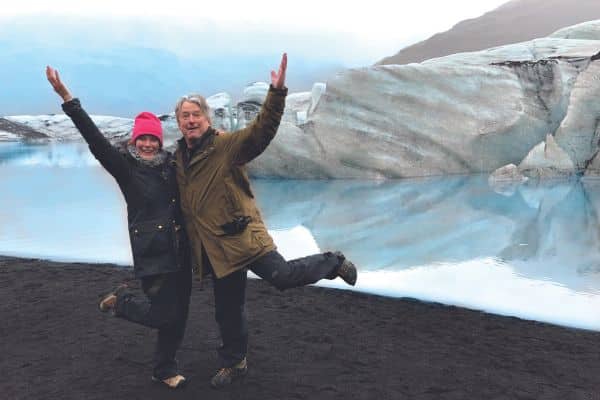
(158, 243)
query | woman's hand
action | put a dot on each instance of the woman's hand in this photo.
(57, 84)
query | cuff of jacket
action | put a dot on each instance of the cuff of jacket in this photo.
(281, 91)
(275, 100)
(70, 106)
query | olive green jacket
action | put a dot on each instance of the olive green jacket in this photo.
(215, 192)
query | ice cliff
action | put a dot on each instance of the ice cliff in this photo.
(530, 104)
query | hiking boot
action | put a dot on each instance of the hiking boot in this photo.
(225, 376)
(108, 301)
(346, 270)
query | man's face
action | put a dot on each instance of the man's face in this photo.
(192, 122)
(147, 146)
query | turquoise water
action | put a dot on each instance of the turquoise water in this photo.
(532, 251)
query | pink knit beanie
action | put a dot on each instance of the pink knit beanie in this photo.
(147, 123)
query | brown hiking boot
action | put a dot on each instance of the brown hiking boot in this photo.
(108, 301)
(346, 270)
(225, 376)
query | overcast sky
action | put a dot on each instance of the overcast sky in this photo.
(382, 26)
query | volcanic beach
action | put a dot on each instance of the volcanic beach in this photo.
(306, 343)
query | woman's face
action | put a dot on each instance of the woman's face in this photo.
(147, 146)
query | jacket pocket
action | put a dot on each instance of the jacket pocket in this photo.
(262, 238)
(236, 225)
(153, 242)
(239, 248)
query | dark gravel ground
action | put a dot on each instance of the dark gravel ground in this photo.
(307, 343)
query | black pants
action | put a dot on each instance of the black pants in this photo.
(230, 295)
(165, 307)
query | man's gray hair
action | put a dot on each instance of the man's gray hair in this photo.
(197, 99)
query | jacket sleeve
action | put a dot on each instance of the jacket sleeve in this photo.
(108, 156)
(249, 142)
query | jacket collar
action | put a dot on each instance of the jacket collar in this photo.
(207, 137)
(129, 150)
(159, 159)
(200, 148)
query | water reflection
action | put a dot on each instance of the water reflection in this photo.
(532, 251)
(73, 154)
(548, 230)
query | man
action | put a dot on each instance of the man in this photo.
(224, 224)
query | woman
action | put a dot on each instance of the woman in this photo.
(146, 177)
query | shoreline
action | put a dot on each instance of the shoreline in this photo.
(368, 285)
(311, 342)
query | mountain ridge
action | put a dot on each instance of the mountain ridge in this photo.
(534, 18)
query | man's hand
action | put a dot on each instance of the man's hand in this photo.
(57, 84)
(278, 78)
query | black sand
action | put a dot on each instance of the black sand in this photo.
(308, 343)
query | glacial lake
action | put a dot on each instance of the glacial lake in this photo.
(531, 251)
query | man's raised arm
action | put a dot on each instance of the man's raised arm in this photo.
(251, 141)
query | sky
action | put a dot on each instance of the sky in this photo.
(379, 28)
(124, 55)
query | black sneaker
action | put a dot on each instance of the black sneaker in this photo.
(108, 301)
(225, 376)
(346, 270)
